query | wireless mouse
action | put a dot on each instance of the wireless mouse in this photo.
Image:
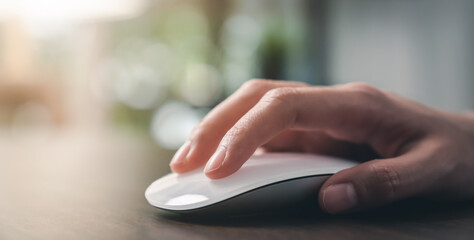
(266, 181)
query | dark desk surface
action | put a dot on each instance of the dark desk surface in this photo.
(91, 187)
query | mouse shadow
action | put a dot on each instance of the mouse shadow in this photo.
(403, 212)
(281, 216)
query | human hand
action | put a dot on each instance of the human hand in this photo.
(420, 151)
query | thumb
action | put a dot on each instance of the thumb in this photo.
(373, 183)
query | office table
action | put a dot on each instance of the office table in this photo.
(91, 186)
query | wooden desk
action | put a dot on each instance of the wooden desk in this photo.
(91, 187)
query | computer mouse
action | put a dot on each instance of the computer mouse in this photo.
(267, 181)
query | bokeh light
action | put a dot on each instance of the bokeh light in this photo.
(173, 122)
(156, 67)
(43, 17)
(241, 36)
(139, 86)
(201, 85)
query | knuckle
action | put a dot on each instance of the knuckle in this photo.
(375, 101)
(366, 90)
(360, 86)
(256, 84)
(279, 95)
(282, 100)
(386, 181)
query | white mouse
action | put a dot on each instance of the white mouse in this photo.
(264, 182)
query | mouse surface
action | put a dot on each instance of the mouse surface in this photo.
(264, 182)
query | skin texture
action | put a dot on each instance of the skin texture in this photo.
(406, 149)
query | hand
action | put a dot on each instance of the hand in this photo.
(419, 151)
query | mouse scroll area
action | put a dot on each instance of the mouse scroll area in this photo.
(264, 181)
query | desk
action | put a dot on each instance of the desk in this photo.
(80, 186)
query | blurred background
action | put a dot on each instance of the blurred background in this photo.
(97, 95)
(86, 74)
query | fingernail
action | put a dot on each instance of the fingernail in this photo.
(339, 198)
(181, 154)
(215, 162)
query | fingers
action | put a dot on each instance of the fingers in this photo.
(346, 114)
(380, 182)
(209, 132)
(256, 127)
